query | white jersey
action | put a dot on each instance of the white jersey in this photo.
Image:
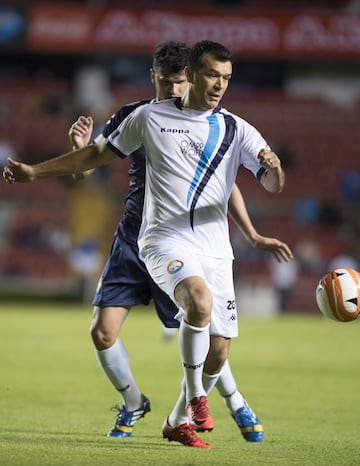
(192, 159)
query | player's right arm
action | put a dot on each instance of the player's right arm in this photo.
(81, 160)
(92, 156)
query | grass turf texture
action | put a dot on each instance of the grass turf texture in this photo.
(300, 374)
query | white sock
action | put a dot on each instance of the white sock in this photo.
(114, 361)
(178, 415)
(209, 381)
(227, 388)
(194, 346)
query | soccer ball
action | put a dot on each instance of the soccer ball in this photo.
(338, 294)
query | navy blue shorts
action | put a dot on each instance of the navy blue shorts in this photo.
(126, 282)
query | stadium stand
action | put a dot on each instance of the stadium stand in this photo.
(316, 139)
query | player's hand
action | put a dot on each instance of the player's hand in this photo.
(269, 159)
(80, 132)
(17, 172)
(279, 249)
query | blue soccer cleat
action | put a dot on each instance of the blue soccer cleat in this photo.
(125, 420)
(249, 425)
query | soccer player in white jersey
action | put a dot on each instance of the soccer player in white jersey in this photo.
(194, 149)
(124, 280)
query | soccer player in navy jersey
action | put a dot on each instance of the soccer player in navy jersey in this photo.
(125, 281)
(109, 315)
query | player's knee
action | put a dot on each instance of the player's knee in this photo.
(102, 338)
(195, 298)
(200, 305)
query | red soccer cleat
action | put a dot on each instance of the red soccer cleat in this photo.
(199, 416)
(183, 434)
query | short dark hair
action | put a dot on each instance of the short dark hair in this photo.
(196, 53)
(170, 57)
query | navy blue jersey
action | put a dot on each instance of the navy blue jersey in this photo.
(125, 280)
(129, 225)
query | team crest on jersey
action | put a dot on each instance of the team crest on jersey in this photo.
(174, 266)
(191, 148)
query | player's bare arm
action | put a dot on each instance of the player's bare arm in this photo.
(80, 134)
(239, 215)
(81, 160)
(273, 179)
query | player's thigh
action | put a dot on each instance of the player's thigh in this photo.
(124, 280)
(185, 274)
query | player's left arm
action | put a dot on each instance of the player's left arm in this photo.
(239, 214)
(79, 135)
(273, 178)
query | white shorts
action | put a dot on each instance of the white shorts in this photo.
(171, 267)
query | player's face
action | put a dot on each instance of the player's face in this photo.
(209, 83)
(168, 86)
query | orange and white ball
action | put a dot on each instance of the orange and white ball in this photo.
(338, 294)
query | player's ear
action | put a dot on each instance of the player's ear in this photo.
(189, 74)
(152, 75)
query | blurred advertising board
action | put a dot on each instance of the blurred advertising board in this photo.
(71, 28)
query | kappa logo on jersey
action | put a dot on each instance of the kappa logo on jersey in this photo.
(174, 130)
(174, 266)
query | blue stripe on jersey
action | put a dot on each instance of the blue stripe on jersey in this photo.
(230, 126)
(213, 137)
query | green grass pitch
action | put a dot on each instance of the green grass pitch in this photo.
(300, 373)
